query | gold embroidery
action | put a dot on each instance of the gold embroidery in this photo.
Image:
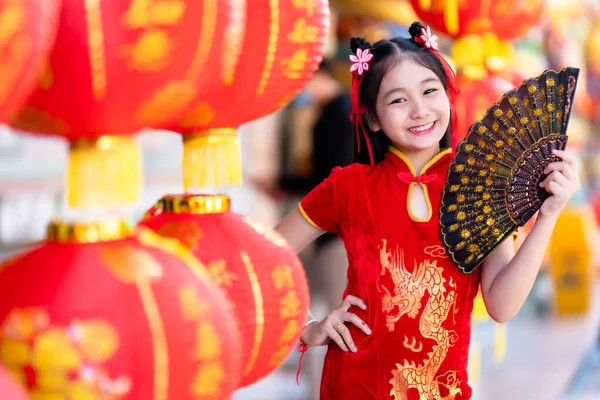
(436, 251)
(409, 289)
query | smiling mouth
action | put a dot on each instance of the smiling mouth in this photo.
(422, 128)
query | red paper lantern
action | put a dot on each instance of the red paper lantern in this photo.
(9, 388)
(118, 66)
(27, 32)
(258, 271)
(474, 99)
(508, 19)
(266, 63)
(100, 312)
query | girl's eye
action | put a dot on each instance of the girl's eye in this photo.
(428, 91)
(397, 101)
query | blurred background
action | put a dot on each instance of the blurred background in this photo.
(552, 349)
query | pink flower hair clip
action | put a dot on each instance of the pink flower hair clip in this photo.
(361, 61)
(428, 39)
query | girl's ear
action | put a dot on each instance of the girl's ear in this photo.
(374, 125)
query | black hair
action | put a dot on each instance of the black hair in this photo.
(386, 55)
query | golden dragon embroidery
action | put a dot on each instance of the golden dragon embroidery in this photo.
(409, 289)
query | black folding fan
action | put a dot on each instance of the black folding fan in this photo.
(493, 181)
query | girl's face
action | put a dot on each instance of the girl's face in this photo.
(412, 107)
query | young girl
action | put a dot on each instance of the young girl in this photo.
(402, 330)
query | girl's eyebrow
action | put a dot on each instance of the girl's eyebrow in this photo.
(400, 89)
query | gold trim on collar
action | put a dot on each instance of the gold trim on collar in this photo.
(411, 166)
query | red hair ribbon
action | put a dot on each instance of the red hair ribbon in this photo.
(360, 64)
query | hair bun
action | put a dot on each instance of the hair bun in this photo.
(359, 43)
(415, 29)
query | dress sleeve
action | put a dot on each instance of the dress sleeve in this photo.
(320, 206)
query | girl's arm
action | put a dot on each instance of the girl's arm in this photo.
(297, 231)
(507, 278)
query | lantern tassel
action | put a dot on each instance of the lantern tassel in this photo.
(211, 159)
(104, 172)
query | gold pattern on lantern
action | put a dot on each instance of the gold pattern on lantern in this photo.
(95, 339)
(275, 15)
(202, 114)
(193, 308)
(289, 305)
(160, 351)
(188, 232)
(147, 13)
(97, 58)
(208, 380)
(291, 330)
(259, 312)
(295, 65)
(152, 49)
(151, 52)
(205, 41)
(130, 264)
(283, 277)
(15, 46)
(221, 276)
(303, 32)
(57, 355)
(172, 98)
(233, 39)
(308, 5)
(208, 345)
(279, 356)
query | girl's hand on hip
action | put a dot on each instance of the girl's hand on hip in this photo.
(333, 326)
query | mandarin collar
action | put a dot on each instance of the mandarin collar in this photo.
(401, 161)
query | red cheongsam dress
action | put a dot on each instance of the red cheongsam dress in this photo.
(419, 304)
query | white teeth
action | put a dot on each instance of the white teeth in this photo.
(422, 127)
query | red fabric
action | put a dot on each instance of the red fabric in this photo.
(418, 302)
